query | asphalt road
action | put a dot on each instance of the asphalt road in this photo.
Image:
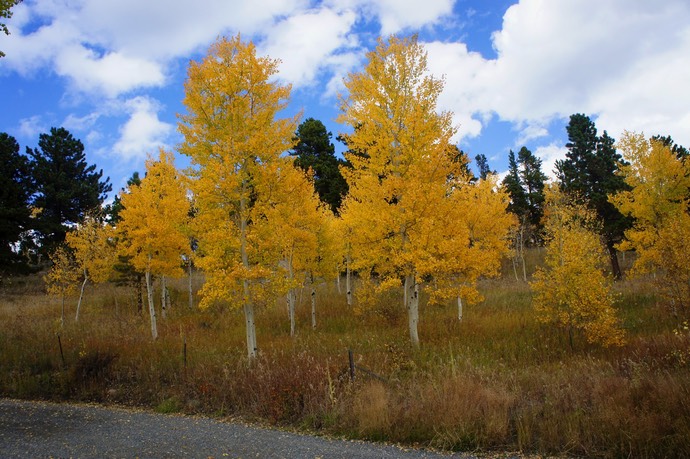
(49, 430)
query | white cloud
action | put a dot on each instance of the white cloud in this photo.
(31, 127)
(397, 15)
(623, 61)
(144, 132)
(80, 123)
(112, 74)
(310, 42)
(549, 154)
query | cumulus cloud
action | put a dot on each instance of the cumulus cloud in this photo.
(144, 132)
(310, 42)
(549, 154)
(397, 15)
(31, 127)
(623, 61)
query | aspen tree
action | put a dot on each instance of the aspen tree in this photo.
(63, 276)
(399, 185)
(235, 141)
(571, 290)
(293, 217)
(94, 252)
(470, 243)
(152, 224)
(658, 201)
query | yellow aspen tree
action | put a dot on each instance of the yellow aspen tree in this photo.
(293, 216)
(658, 201)
(152, 225)
(235, 141)
(92, 243)
(325, 266)
(398, 185)
(474, 238)
(571, 290)
(63, 276)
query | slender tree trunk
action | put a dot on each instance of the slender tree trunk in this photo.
(348, 282)
(337, 282)
(291, 298)
(248, 304)
(152, 309)
(413, 307)
(140, 294)
(189, 285)
(164, 301)
(517, 279)
(81, 295)
(459, 308)
(613, 256)
(313, 304)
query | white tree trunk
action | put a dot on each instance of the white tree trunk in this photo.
(164, 301)
(189, 285)
(459, 308)
(248, 304)
(152, 309)
(313, 305)
(81, 295)
(251, 326)
(413, 308)
(291, 298)
(337, 282)
(348, 282)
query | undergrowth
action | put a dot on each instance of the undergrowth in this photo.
(498, 380)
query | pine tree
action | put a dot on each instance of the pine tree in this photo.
(67, 188)
(314, 151)
(483, 166)
(533, 181)
(589, 174)
(16, 188)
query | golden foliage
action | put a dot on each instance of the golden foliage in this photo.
(658, 201)
(154, 217)
(411, 209)
(571, 291)
(235, 142)
(92, 243)
(64, 273)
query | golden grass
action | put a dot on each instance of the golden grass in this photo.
(496, 381)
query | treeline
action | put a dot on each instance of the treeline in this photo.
(402, 209)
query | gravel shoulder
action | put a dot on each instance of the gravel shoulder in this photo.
(42, 429)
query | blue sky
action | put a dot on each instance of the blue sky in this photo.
(112, 72)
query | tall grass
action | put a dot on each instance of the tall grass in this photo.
(498, 380)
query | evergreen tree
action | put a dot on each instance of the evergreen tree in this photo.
(514, 186)
(483, 165)
(314, 150)
(533, 181)
(67, 187)
(589, 174)
(15, 213)
(680, 151)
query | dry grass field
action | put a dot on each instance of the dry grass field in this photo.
(497, 381)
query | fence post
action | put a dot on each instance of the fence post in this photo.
(62, 355)
(351, 357)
